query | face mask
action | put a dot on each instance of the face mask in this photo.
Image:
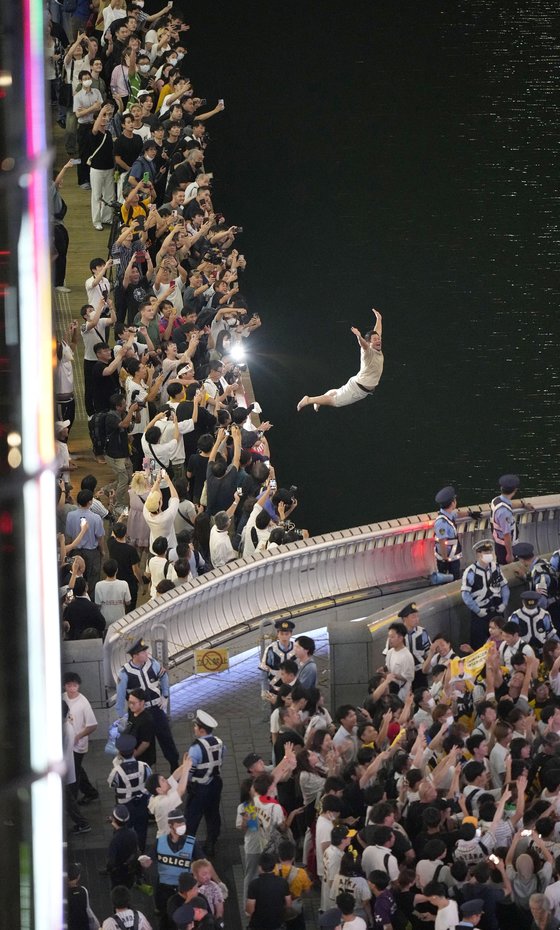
(487, 558)
(430, 702)
(149, 157)
(173, 61)
(180, 56)
(86, 83)
(181, 829)
(144, 68)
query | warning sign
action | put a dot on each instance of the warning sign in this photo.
(210, 660)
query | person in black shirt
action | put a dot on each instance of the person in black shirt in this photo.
(127, 558)
(104, 376)
(123, 849)
(268, 896)
(117, 424)
(197, 466)
(128, 146)
(81, 614)
(141, 725)
(98, 148)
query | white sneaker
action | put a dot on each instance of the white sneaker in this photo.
(62, 290)
(98, 226)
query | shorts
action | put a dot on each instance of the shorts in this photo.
(350, 393)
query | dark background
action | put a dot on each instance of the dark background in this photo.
(403, 156)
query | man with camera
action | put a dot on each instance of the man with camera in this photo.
(117, 426)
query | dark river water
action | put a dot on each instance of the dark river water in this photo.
(403, 156)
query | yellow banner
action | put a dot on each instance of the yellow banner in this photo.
(470, 665)
(210, 660)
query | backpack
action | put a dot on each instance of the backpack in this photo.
(99, 430)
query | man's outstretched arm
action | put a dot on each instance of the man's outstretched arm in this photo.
(378, 328)
(362, 342)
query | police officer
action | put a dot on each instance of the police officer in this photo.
(504, 525)
(281, 649)
(144, 672)
(447, 545)
(418, 643)
(128, 778)
(484, 590)
(471, 913)
(175, 852)
(541, 577)
(204, 788)
(535, 623)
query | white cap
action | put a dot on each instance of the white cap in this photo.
(205, 720)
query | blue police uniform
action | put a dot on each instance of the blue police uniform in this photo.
(173, 858)
(204, 789)
(486, 593)
(502, 518)
(127, 778)
(275, 654)
(154, 682)
(535, 623)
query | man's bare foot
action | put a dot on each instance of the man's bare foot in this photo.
(303, 402)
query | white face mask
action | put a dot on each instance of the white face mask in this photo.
(180, 56)
(149, 157)
(430, 702)
(487, 558)
(173, 61)
(144, 68)
(181, 829)
(86, 82)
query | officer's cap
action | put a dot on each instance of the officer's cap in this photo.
(445, 496)
(205, 720)
(126, 742)
(470, 908)
(285, 626)
(183, 916)
(510, 482)
(176, 814)
(250, 759)
(530, 597)
(523, 550)
(407, 611)
(139, 646)
(121, 813)
(484, 545)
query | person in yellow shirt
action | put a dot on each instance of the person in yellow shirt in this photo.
(298, 881)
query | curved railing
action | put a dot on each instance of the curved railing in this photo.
(306, 576)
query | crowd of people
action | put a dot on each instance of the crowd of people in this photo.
(438, 800)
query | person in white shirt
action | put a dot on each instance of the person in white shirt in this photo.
(364, 383)
(258, 528)
(497, 761)
(399, 660)
(447, 916)
(98, 287)
(159, 566)
(345, 740)
(221, 549)
(161, 522)
(331, 811)
(167, 794)
(82, 718)
(125, 917)
(379, 856)
(93, 330)
(112, 596)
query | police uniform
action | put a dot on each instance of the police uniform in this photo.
(470, 909)
(502, 518)
(446, 536)
(534, 622)
(275, 654)
(128, 778)
(204, 788)
(173, 857)
(542, 578)
(153, 680)
(418, 643)
(484, 591)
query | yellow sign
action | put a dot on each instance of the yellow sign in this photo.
(471, 664)
(210, 660)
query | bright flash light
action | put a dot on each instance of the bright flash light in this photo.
(237, 352)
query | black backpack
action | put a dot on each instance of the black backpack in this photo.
(99, 430)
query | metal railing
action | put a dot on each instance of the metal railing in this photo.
(305, 576)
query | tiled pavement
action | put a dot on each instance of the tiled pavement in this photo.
(233, 698)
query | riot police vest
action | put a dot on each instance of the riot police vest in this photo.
(496, 505)
(418, 643)
(535, 626)
(145, 678)
(543, 568)
(451, 543)
(212, 751)
(274, 656)
(172, 862)
(487, 584)
(129, 783)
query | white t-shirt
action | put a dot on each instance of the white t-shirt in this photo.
(498, 764)
(126, 915)
(552, 893)
(221, 549)
(269, 815)
(163, 523)
(323, 832)
(447, 917)
(176, 295)
(401, 662)
(101, 291)
(375, 857)
(160, 804)
(156, 570)
(140, 391)
(64, 372)
(371, 367)
(80, 715)
(92, 336)
(112, 597)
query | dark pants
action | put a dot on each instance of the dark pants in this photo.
(61, 246)
(72, 809)
(66, 410)
(449, 568)
(82, 782)
(138, 810)
(162, 896)
(479, 630)
(92, 574)
(204, 801)
(133, 588)
(83, 168)
(501, 553)
(165, 738)
(137, 454)
(88, 387)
